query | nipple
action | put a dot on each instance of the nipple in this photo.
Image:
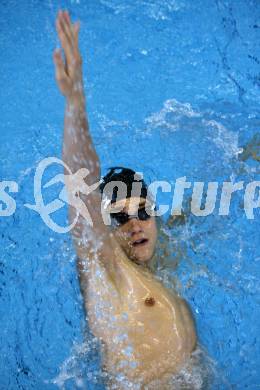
(149, 301)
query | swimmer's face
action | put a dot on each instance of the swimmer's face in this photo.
(136, 237)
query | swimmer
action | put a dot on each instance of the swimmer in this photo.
(147, 332)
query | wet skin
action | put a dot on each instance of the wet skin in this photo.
(152, 331)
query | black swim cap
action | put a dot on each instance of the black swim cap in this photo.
(127, 176)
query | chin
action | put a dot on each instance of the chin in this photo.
(139, 255)
(141, 258)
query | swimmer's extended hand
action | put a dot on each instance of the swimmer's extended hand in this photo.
(93, 241)
(68, 74)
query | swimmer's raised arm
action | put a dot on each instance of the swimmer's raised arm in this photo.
(79, 153)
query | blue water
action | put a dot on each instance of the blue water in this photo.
(172, 90)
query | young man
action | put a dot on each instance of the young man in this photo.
(147, 332)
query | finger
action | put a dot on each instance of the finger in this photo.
(76, 28)
(74, 31)
(64, 28)
(59, 65)
(64, 41)
(68, 26)
(68, 21)
(57, 58)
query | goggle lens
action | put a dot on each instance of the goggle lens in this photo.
(121, 218)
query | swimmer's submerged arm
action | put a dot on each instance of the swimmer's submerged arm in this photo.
(91, 242)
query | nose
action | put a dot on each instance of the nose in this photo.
(135, 226)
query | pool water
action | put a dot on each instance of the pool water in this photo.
(172, 90)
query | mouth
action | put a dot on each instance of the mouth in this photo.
(139, 243)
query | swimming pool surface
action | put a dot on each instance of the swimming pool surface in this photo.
(172, 90)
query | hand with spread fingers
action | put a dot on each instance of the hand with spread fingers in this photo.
(68, 74)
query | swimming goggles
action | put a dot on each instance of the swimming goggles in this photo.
(120, 218)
